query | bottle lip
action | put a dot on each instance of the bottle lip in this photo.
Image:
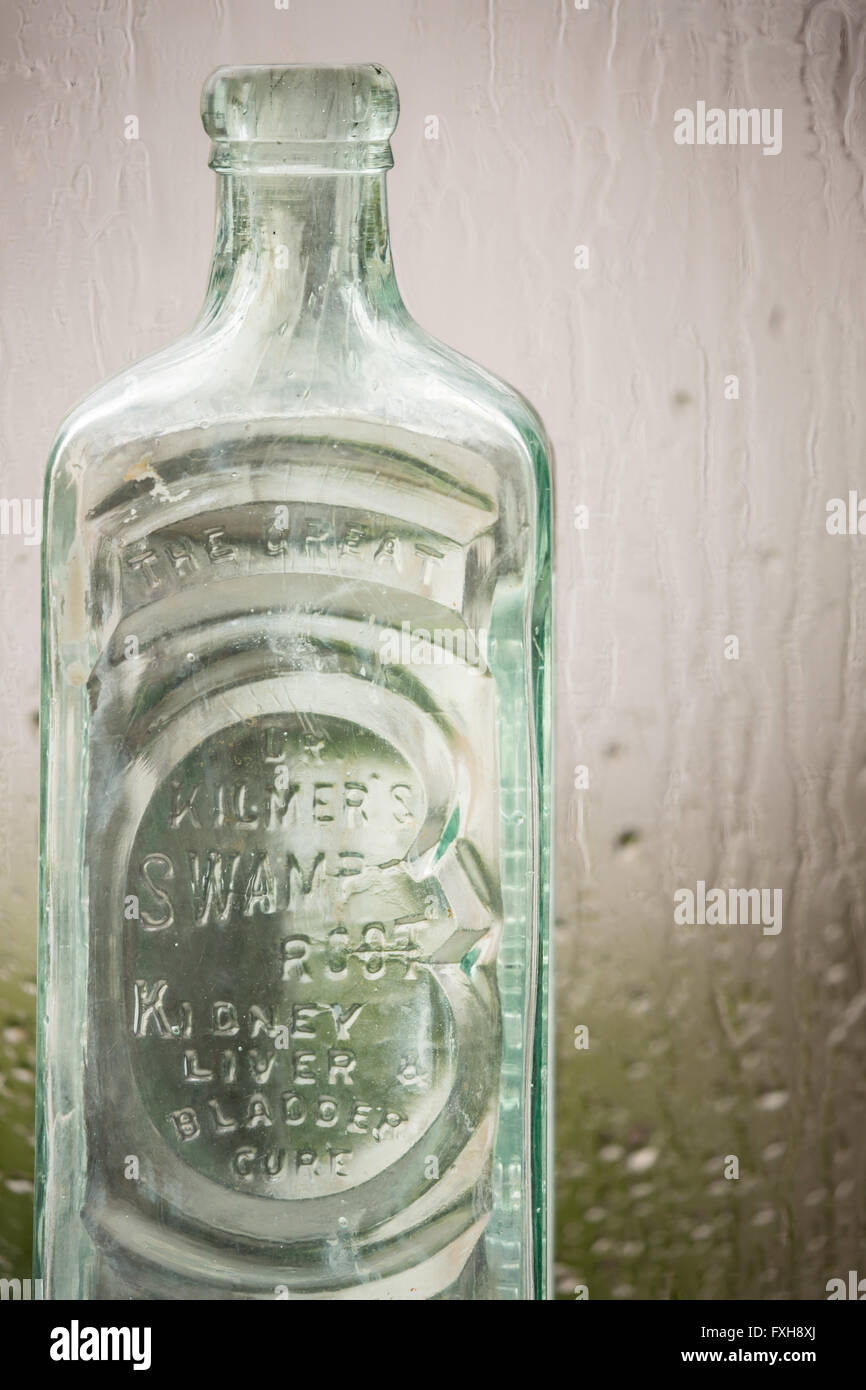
(301, 114)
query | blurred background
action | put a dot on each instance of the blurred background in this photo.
(689, 321)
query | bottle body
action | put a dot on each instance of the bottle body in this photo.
(294, 923)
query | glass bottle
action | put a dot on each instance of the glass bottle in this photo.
(295, 851)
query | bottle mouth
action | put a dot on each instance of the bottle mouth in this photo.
(305, 116)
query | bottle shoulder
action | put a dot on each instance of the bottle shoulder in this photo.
(477, 387)
(395, 381)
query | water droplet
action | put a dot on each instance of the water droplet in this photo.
(642, 1190)
(627, 839)
(765, 1217)
(21, 1187)
(642, 1160)
(772, 1100)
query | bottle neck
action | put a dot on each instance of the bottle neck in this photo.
(298, 250)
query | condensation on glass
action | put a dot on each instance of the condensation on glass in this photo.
(295, 811)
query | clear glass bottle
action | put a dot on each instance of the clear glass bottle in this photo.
(295, 800)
